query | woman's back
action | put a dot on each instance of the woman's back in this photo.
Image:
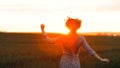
(70, 57)
(71, 44)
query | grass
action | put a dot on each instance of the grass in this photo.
(29, 51)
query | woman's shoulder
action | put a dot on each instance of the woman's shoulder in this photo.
(65, 35)
(80, 35)
(62, 36)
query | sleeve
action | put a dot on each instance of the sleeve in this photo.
(86, 46)
(50, 40)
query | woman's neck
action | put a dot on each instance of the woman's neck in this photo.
(72, 33)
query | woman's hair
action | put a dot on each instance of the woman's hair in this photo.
(73, 24)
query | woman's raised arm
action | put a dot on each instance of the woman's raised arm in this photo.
(46, 37)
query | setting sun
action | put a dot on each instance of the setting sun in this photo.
(27, 15)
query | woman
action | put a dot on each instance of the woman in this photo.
(71, 44)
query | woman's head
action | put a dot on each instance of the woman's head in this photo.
(73, 24)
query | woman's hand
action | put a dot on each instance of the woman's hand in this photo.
(101, 59)
(105, 60)
(42, 28)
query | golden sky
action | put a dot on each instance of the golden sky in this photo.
(27, 15)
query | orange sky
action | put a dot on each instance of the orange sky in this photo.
(27, 15)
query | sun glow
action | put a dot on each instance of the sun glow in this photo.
(27, 15)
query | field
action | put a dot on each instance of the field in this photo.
(20, 50)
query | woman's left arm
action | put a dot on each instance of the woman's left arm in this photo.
(91, 51)
(86, 46)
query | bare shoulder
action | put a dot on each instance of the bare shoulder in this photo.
(63, 36)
